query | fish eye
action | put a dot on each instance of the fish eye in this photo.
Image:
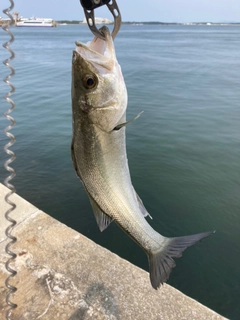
(89, 81)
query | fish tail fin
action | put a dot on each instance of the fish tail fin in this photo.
(161, 262)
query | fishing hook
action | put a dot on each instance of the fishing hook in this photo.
(90, 5)
(11, 171)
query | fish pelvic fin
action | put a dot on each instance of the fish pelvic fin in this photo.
(161, 262)
(74, 160)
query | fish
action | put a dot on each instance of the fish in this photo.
(98, 150)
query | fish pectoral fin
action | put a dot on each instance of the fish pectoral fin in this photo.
(119, 126)
(141, 206)
(161, 262)
(103, 220)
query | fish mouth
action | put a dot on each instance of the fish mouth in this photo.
(98, 52)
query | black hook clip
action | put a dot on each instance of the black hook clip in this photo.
(90, 5)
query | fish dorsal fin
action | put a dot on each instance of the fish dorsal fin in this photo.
(141, 206)
(103, 220)
(119, 126)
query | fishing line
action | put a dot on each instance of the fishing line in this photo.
(11, 288)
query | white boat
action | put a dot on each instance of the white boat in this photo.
(35, 22)
(98, 21)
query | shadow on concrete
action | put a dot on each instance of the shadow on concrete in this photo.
(98, 297)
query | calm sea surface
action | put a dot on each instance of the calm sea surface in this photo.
(184, 151)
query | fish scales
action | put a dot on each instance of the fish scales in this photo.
(107, 184)
(99, 102)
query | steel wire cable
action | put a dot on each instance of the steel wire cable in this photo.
(11, 289)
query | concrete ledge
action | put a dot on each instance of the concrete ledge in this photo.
(63, 275)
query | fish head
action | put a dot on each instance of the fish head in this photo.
(98, 89)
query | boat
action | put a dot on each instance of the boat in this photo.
(35, 22)
(98, 21)
(4, 21)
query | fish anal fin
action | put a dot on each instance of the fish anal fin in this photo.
(103, 220)
(161, 262)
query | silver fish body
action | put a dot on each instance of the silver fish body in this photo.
(99, 102)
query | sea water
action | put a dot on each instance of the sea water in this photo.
(183, 152)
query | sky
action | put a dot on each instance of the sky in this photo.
(140, 10)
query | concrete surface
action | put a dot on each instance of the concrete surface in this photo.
(63, 275)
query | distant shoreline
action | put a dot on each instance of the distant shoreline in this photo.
(137, 23)
(161, 23)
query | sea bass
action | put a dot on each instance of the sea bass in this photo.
(99, 102)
